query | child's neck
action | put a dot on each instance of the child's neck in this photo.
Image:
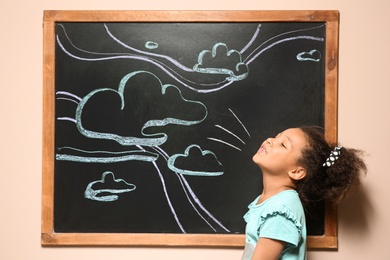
(272, 187)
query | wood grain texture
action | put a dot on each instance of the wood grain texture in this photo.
(50, 238)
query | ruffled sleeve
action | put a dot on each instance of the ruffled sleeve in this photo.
(280, 223)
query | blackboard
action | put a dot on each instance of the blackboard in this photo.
(152, 118)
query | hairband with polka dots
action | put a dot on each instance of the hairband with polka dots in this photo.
(334, 155)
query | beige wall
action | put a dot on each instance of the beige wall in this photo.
(364, 122)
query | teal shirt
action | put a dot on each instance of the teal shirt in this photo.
(280, 217)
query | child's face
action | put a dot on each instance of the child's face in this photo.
(279, 155)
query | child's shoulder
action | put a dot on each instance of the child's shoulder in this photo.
(285, 196)
(288, 199)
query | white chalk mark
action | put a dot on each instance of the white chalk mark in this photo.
(201, 205)
(309, 56)
(92, 194)
(231, 111)
(219, 70)
(172, 161)
(160, 151)
(168, 199)
(67, 99)
(194, 197)
(113, 157)
(150, 45)
(175, 62)
(252, 40)
(217, 140)
(67, 119)
(181, 179)
(280, 35)
(165, 155)
(230, 133)
(75, 158)
(68, 94)
(282, 41)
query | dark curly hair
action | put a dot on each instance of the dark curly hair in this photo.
(334, 183)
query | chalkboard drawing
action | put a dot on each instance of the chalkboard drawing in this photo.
(151, 45)
(103, 156)
(279, 39)
(68, 96)
(67, 153)
(107, 185)
(190, 194)
(207, 162)
(231, 133)
(313, 55)
(215, 64)
(148, 139)
(236, 71)
(126, 115)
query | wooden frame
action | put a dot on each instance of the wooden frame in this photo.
(51, 238)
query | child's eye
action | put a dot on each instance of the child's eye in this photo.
(284, 145)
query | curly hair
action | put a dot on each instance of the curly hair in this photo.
(334, 183)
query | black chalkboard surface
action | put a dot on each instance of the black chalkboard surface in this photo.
(154, 123)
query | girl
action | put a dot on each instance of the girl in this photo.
(298, 167)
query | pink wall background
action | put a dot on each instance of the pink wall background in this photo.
(364, 122)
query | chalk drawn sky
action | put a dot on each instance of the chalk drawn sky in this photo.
(153, 97)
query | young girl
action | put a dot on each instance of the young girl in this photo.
(298, 167)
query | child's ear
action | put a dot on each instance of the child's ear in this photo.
(297, 173)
